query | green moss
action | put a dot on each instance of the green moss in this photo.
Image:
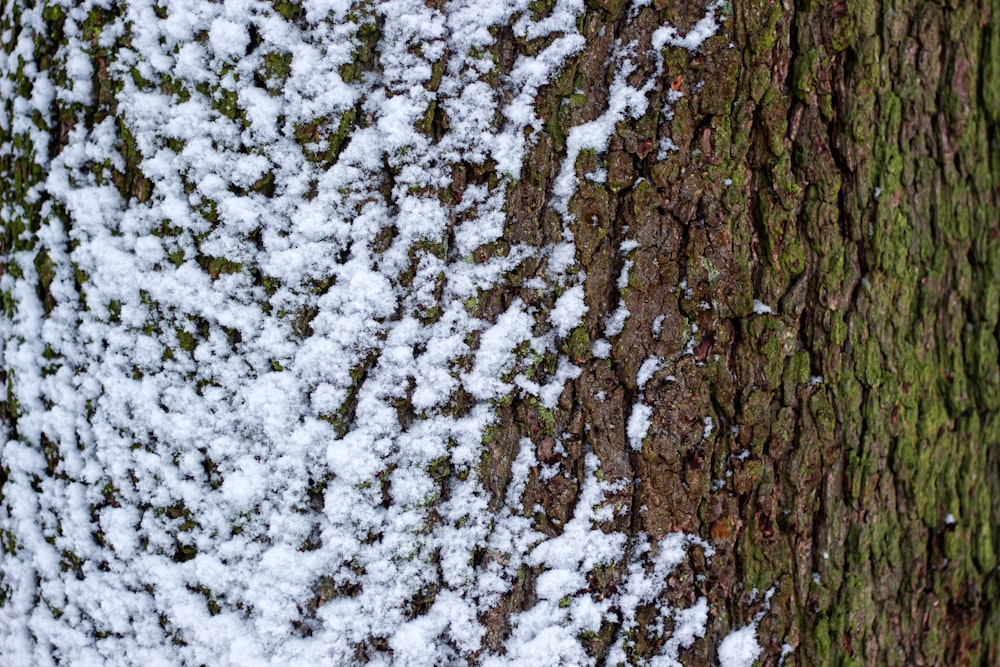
(711, 272)
(365, 43)
(484, 468)
(771, 351)
(53, 13)
(288, 9)
(473, 306)
(186, 340)
(541, 8)
(264, 185)
(176, 256)
(319, 144)
(824, 415)
(221, 266)
(209, 210)
(8, 542)
(764, 19)
(577, 345)
(45, 270)
(9, 304)
(277, 66)
(226, 102)
(541, 366)
(91, 28)
(440, 468)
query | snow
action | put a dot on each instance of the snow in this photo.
(647, 370)
(628, 245)
(638, 425)
(615, 322)
(624, 102)
(695, 37)
(569, 311)
(228, 39)
(600, 348)
(642, 586)
(494, 355)
(622, 282)
(246, 381)
(739, 648)
(666, 146)
(657, 326)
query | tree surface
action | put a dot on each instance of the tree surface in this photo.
(551, 332)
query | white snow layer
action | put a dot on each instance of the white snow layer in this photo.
(209, 464)
(739, 648)
(695, 37)
(638, 425)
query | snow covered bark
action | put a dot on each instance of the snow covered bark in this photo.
(500, 332)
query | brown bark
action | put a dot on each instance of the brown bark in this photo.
(860, 139)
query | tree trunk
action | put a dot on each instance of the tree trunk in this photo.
(488, 333)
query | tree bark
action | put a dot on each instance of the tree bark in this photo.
(789, 257)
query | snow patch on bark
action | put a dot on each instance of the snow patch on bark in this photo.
(740, 648)
(236, 441)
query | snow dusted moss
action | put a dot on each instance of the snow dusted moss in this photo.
(246, 396)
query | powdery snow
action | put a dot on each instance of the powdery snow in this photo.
(212, 464)
(694, 37)
(569, 310)
(647, 370)
(739, 648)
(638, 425)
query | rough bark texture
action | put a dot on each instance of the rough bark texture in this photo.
(860, 139)
(839, 163)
